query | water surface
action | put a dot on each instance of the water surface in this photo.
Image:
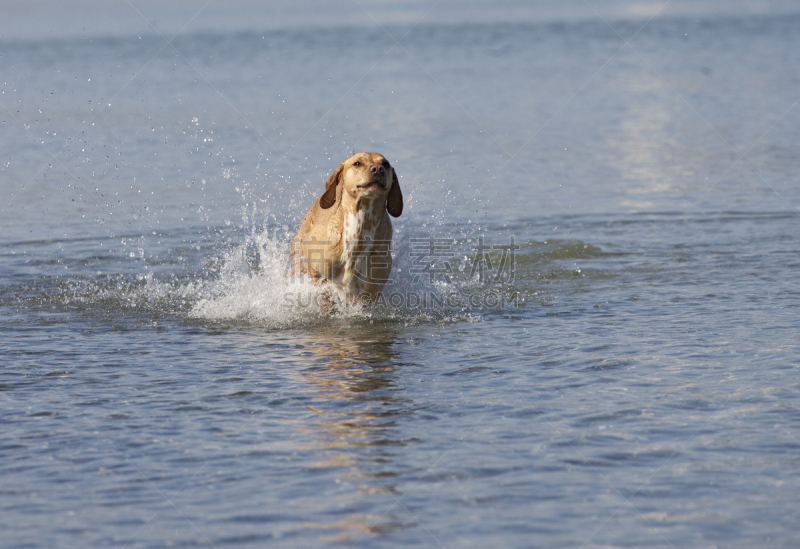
(599, 350)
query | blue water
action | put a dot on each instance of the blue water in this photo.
(599, 351)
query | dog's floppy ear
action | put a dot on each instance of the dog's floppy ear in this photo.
(329, 198)
(394, 203)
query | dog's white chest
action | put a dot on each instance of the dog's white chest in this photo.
(358, 240)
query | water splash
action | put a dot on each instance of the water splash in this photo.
(254, 291)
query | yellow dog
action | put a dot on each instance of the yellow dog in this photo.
(344, 238)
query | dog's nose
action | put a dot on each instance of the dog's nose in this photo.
(377, 169)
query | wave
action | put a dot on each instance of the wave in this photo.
(244, 279)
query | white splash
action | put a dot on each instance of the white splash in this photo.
(264, 292)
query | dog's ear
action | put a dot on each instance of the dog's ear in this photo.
(394, 202)
(329, 198)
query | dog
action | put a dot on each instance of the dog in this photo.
(345, 237)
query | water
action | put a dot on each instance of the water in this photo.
(624, 373)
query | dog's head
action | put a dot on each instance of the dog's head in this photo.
(365, 175)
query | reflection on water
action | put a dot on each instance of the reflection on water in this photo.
(353, 370)
(648, 154)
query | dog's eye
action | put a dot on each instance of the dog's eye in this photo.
(356, 163)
